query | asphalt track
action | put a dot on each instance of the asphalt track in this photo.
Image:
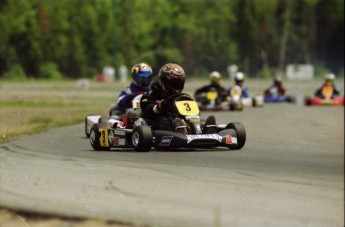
(289, 173)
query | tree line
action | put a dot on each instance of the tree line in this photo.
(79, 37)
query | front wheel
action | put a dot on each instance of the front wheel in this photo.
(142, 138)
(240, 133)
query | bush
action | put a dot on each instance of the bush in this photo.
(16, 72)
(265, 72)
(49, 70)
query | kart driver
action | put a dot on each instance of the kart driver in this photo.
(329, 81)
(239, 80)
(142, 76)
(201, 93)
(277, 89)
(170, 81)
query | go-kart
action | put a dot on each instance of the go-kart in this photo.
(273, 97)
(211, 100)
(235, 96)
(234, 101)
(326, 98)
(190, 132)
(115, 116)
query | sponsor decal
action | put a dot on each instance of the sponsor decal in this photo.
(217, 137)
(234, 140)
(165, 141)
(111, 136)
(119, 132)
(119, 142)
(122, 142)
(116, 141)
(228, 140)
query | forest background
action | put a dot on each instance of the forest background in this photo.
(77, 38)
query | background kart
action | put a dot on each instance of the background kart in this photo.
(326, 98)
(274, 97)
(234, 100)
(136, 132)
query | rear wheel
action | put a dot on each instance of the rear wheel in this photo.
(96, 136)
(142, 138)
(240, 133)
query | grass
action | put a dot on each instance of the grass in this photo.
(33, 107)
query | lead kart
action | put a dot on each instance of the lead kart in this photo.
(326, 98)
(190, 132)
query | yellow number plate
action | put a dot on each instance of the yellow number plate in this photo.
(187, 108)
(212, 95)
(103, 139)
(327, 91)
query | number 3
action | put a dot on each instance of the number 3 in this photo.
(187, 107)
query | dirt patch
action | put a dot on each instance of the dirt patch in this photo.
(9, 218)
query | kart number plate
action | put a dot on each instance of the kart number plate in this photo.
(187, 108)
(104, 138)
(327, 91)
(212, 95)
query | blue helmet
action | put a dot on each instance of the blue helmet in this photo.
(142, 74)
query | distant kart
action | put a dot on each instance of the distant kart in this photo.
(234, 100)
(136, 132)
(274, 97)
(326, 99)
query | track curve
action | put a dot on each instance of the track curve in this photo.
(289, 173)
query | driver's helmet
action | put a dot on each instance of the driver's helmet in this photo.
(142, 75)
(215, 77)
(277, 80)
(329, 78)
(172, 79)
(239, 78)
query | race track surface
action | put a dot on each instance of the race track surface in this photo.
(289, 173)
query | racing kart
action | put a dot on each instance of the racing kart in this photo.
(114, 116)
(234, 101)
(190, 132)
(273, 97)
(325, 99)
(235, 95)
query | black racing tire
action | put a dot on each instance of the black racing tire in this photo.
(307, 101)
(142, 138)
(95, 137)
(240, 133)
(253, 102)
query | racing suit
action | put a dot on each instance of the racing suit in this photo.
(275, 93)
(245, 91)
(154, 107)
(127, 95)
(336, 91)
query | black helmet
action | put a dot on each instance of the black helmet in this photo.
(172, 78)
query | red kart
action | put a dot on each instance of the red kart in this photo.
(326, 99)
